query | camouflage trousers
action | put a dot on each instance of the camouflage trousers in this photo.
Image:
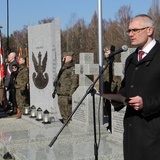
(20, 99)
(64, 107)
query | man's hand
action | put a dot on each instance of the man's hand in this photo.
(136, 102)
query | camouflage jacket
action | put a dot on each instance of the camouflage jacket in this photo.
(22, 77)
(68, 80)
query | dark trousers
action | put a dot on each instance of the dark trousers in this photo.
(11, 100)
(107, 112)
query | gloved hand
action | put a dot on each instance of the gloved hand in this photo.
(22, 92)
(53, 95)
(69, 100)
(54, 83)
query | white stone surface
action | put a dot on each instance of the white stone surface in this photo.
(45, 38)
(28, 141)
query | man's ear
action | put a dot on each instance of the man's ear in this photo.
(150, 31)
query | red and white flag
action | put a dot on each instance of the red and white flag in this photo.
(2, 74)
(20, 52)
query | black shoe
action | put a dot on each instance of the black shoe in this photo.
(6, 109)
(9, 112)
(13, 112)
(109, 129)
(61, 120)
(7, 156)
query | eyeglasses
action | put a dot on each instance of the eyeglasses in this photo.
(134, 31)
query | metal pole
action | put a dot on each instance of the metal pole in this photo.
(100, 44)
(7, 27)
(0, 37)
(0, 29)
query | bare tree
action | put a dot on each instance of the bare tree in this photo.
(46, 20)
(123, 18)
(111, 34)
(79, 37)
(92, 37)
(154, 12)
(69, 26)
(19, 39)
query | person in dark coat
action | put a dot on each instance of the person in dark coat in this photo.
(11, 72)
(141, 85)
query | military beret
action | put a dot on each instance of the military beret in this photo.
(106, 49)
(67, 54)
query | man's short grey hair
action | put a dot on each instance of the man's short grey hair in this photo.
(14, 54)
(149, 20)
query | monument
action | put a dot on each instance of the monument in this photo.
(77, 139)
(83, 117)
(44, 64)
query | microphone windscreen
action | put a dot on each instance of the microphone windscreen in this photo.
(125, 47)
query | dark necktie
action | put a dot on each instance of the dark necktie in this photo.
(140, 54)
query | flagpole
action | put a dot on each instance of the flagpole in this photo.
(100, 44)
(0, 30)
(1, 82)
(1, 60)
(7, 27)
(2, 73)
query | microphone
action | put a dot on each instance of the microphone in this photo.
(124, 48)
(63, 60)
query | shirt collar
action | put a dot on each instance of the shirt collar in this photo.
(149, 46)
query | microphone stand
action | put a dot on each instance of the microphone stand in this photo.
(93, 92)
(55, 83)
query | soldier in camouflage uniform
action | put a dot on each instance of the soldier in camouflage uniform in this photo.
(67, 84)
(20, 86)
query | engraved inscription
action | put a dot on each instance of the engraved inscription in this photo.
(118, 126)
(80, 113)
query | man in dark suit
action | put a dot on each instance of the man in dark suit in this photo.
(11, 72)
(141, 85)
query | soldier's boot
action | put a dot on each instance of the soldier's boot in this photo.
(18, 113)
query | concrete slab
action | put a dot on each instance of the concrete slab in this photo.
(29, 141)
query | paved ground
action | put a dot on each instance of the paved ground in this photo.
(28, 139)
(22, 138)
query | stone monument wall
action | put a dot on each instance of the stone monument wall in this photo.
(44, 64)
(83, 117)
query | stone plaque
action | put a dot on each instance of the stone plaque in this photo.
(44, 64)
(83, 117)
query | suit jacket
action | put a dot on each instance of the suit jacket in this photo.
(10, 74)
(142, 128)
